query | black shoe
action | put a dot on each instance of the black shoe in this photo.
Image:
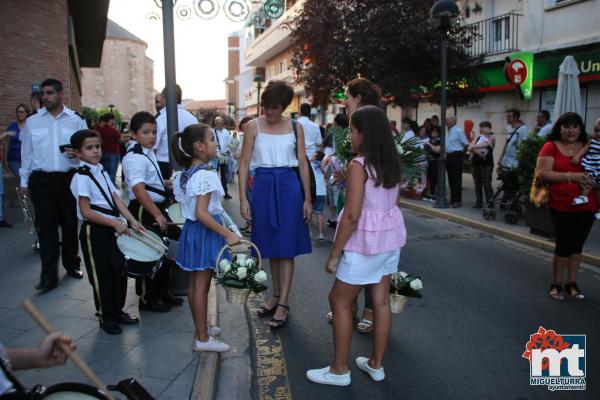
(172, 300)
(46, 286)
(227, 196)
(111, 327)
(155, 305)
(4, 224)
(75, 273)
(126, 319)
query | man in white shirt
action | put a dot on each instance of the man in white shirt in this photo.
(543, 127)
(48, 164)
(312, 133)
(456, 144)
(223, 137)
(508, 162)
(184, 119)
(407, 131)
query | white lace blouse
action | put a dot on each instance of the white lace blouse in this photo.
(199, 184)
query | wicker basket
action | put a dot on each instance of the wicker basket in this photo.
(236, 295)
(397, 303)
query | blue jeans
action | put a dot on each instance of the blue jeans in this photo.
(1, 192)
(110, 162)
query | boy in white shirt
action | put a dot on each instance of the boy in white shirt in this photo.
(101, 210)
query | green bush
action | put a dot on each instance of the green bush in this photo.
(527, 154)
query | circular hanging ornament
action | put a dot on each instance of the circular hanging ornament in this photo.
(184, 12)
(206, 9)
(274, 8)
(236, 10)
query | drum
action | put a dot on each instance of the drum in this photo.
(175, 214)
(72, 391)
(142, 256)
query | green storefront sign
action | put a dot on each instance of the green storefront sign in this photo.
(545, 70)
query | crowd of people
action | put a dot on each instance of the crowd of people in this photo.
(287, 170)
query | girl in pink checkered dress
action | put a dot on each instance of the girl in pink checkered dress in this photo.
(366, 250)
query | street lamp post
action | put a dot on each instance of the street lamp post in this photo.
(443, 13)
(258, 79)
(111, 107)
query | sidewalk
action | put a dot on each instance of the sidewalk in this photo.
(157, 352)
(519, 232)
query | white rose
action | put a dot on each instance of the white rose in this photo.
(416, 284)
(241, 259)
(250, 262)
(402, 274)
(399, 149)
(242, 272)
(260, 277)
(225, 265)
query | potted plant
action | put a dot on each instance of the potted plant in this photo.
(403, 286)
(240, 275)
(538, 218)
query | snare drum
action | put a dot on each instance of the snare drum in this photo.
(72, 391)
(141, 259)
(175, 214)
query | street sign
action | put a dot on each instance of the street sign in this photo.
(518, 71)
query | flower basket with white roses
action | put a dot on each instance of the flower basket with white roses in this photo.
(242, 274)
(403, 286)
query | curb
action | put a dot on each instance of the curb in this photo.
(505, 233)
(207, 374)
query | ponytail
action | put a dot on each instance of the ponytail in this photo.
(182, 143)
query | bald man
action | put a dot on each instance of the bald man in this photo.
(456, 143)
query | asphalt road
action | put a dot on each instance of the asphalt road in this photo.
(483, 297)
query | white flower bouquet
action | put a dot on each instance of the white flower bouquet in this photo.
(240, 275)
(403, 286)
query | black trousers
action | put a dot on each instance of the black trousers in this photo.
(432, 175)
(165, 169)
(510, 184)
(158, 287)
(454, 167)
(224, 170)
(572, 229)
(55, 206)
(482, 177)
(104, 265)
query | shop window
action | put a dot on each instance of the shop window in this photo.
(551, 4)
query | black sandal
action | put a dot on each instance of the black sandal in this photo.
(556, 292)
(279, 323)
(572, 290)
(265, 312)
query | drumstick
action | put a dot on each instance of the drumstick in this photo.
(152, 242)
(82, 365)
(170, 223)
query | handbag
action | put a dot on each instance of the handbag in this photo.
(311, 173)
(539, 194)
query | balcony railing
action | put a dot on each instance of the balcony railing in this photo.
(495, 35)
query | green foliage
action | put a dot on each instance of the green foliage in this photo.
(104, 110)
(527, 154)
(400, 283)
(343, 147)
(230, 275)
(89, 113)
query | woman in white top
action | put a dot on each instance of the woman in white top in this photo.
(281, 203)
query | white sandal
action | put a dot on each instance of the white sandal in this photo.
(364, 326)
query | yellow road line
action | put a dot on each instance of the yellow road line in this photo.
(271, 373)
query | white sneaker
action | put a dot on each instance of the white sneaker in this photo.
(597, 215)
(214, 331)
(326, 377)
(211, 344)
(321, 237)
(375, 374)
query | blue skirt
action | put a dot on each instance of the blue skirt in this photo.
(278, 227)
(198, 246)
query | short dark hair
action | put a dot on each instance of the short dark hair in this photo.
(407, 120)
(108, 116)
(55, 83)
(568, 118)
(139, 119)
(516, 113)
(79, 137)
(277, 93)
(243, 121)
(177, 91)
(370, 93)
(486, 124)
(319, 155)
(23, 106)
(546, 114)
(341, 120)
(305, 109)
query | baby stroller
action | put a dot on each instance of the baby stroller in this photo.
(512, 207)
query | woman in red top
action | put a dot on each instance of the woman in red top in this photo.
(572, 223)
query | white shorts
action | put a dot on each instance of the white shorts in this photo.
(366, 269)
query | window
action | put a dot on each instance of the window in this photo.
(551, 4)
(282, 66)
(270, 72)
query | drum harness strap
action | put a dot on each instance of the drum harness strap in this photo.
(137, 149)
(85, 170)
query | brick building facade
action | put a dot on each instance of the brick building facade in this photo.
(125, 77)
(41, 39)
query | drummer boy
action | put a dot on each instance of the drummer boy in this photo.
(102, 213)
(147, 191)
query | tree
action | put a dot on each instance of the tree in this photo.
(391, 42)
